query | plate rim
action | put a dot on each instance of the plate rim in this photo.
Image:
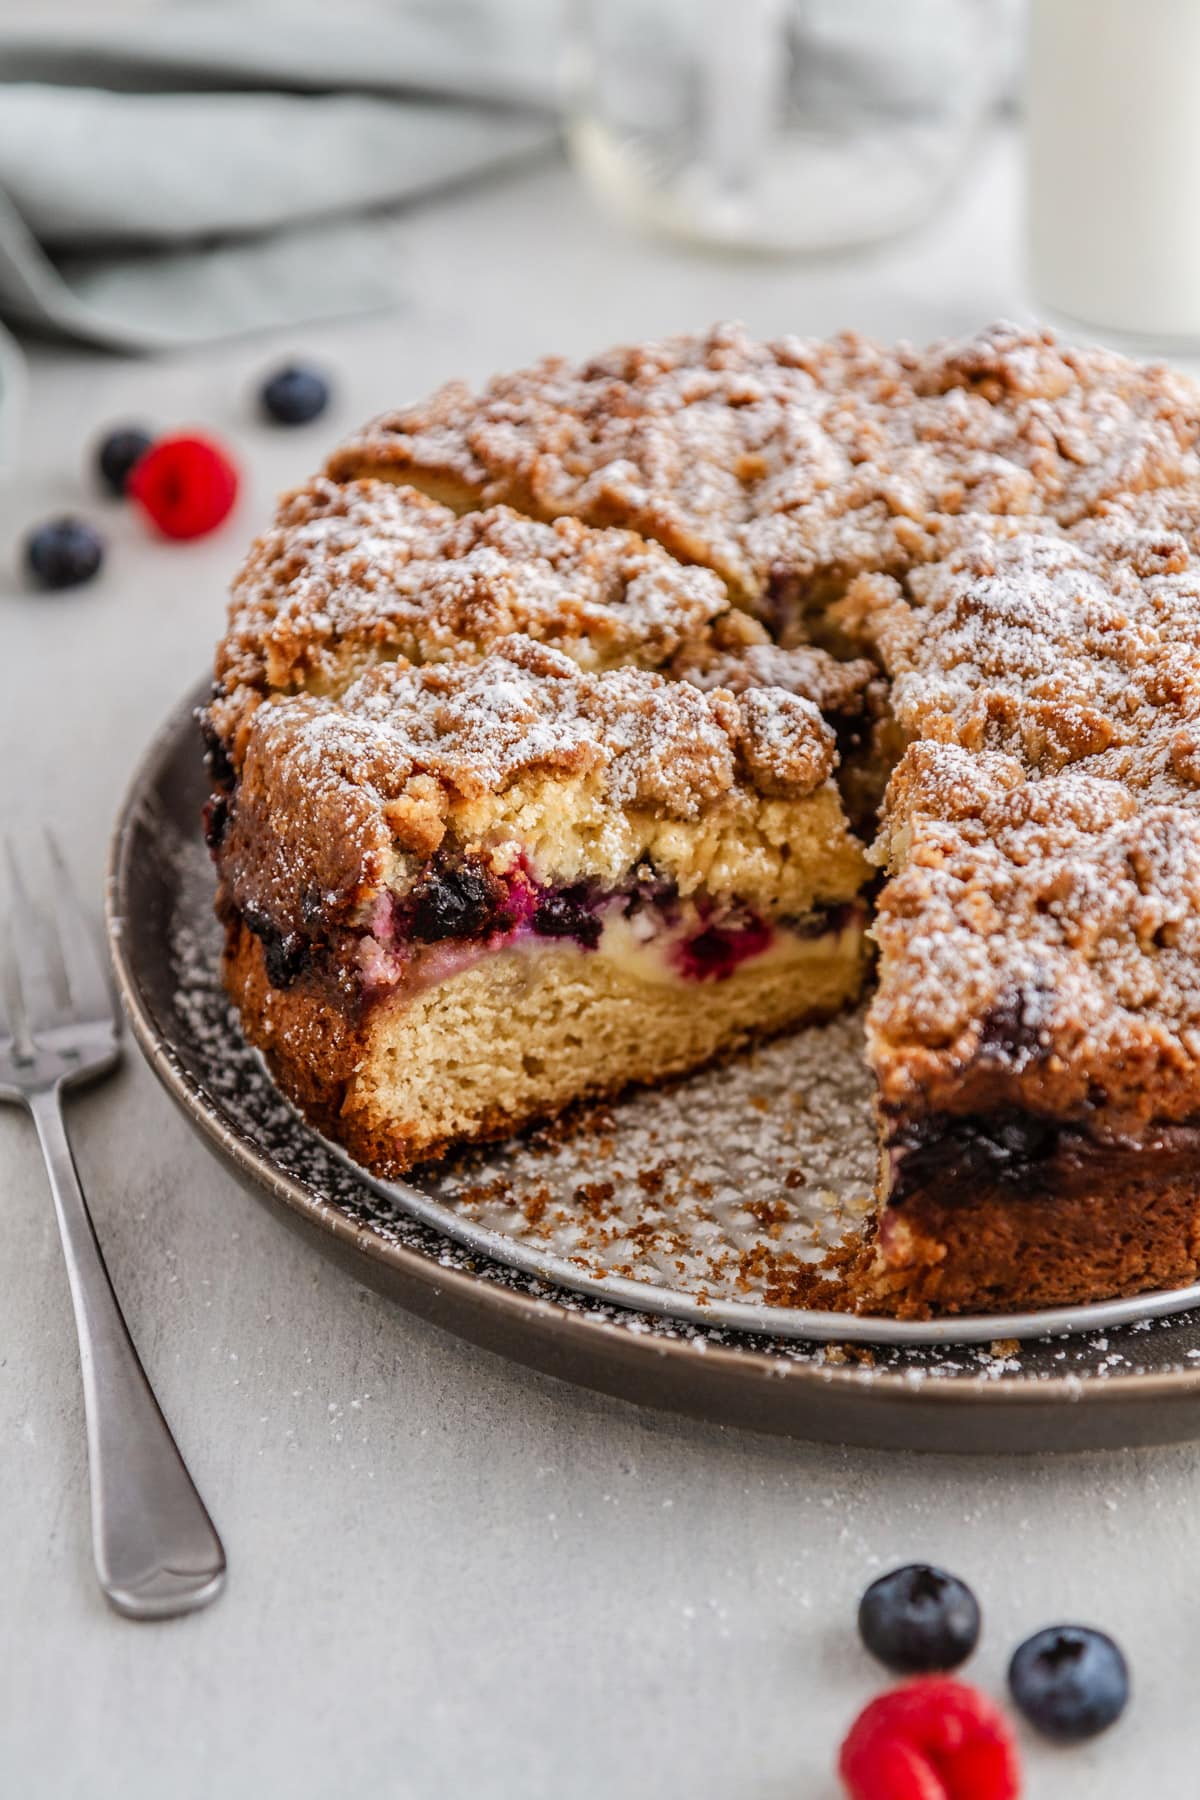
(509, 1304)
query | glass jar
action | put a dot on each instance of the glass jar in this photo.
(776, 124)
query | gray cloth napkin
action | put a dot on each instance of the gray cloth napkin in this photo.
(198, 170)
(191, 171)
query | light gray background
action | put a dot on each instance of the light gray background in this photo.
(449, 1577)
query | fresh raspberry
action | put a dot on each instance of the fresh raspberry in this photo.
(933, 1739)
(187, 485)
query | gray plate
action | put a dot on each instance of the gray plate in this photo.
(517, 1247)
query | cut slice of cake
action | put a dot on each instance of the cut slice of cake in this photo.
(1036, 1033)
(464, 895)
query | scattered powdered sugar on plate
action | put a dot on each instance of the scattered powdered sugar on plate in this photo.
(730, 1184)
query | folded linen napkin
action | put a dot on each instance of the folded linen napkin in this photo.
(196, 170)
(190, 171)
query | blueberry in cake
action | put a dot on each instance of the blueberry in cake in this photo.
(563, 731)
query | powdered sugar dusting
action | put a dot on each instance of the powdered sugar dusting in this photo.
(348, 575)
(800, 458)
(477, 726)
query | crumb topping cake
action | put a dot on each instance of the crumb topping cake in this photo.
(575, 732)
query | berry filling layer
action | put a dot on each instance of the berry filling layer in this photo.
(957, 1157)
(458, 913)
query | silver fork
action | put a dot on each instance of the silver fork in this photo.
(156, 1551)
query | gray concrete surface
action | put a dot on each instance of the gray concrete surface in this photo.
(449, 1577)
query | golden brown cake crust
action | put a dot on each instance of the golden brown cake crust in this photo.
(993, 1249)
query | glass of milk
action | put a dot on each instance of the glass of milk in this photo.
(1114, 165)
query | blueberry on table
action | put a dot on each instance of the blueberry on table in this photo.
(63, 552)
(294, 395)
(919, 1618)
(1069, 1681)
(118, 452)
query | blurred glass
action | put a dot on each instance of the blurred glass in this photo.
(776, 124)
(1113, 167)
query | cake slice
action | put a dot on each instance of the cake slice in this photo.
(1036, 1040)
(1036, 1032)
(463, 895)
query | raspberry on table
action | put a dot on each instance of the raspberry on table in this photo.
(919, 1618)
(933, 1739)
(186, 485)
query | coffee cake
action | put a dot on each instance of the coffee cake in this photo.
(554, 724)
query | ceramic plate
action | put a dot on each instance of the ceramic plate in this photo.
(655, 1248)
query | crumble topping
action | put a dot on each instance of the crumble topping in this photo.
(1058, 648)
(347, 576)
(474, 727)
(840, 688)
(795, 464)
(1041, 945)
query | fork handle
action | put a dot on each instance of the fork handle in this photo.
(156, 1551)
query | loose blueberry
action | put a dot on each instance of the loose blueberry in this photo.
(294, 395)
(1069, 1681)
(452, 903)
(117, 454)
(919, 1618)
(63, 553)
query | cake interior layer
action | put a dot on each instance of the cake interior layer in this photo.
(461, 911)
(1020, 1152)
(516, 1037)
